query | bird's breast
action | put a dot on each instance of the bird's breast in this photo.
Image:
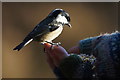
(52, 35)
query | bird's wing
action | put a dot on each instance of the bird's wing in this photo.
(38, 30)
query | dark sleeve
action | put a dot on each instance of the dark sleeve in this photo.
(107, 52)
(87, 45)
(74, 67)
(106, 49)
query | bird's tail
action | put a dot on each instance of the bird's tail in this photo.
(21, 45)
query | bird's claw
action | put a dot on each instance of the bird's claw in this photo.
(53, 44)
(57, 44)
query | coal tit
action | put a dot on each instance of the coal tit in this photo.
(48, 29)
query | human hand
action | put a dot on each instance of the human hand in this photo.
(74, 49)
(56, 55)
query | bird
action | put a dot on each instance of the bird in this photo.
(48, 29)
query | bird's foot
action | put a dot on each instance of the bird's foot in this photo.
(53, 44)
(42, 43)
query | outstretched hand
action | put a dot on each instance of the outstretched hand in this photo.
(55, 55)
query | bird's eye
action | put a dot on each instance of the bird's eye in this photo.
(68, 18)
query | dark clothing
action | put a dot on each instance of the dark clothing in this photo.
(99, 59)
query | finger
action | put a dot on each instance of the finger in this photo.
(56, 48)
(58, 54)
(47, 46)
(48, 49)
(48, 56)
(50, 61)
(60, 51)
(52, 58)
(74, 50)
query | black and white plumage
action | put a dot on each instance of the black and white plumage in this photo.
(48, 29)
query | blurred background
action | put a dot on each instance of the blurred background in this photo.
(0, 39)
(18, 19)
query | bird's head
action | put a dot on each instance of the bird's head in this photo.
(60, 16)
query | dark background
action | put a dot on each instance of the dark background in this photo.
(87, 19)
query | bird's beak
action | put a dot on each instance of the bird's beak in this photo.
(69, 25)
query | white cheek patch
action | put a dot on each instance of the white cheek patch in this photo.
(61, 19)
